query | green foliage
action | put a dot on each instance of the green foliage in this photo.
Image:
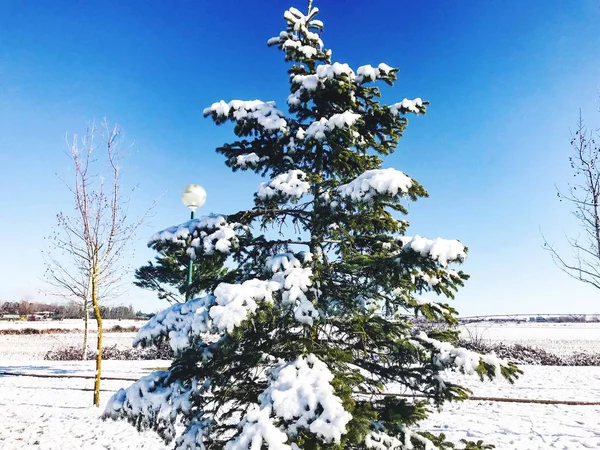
(167, 275)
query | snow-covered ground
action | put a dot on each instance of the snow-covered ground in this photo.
(40, 413)
(68, 324)
(35, 346)
(558, 338)
(54, 413)
(50, 414)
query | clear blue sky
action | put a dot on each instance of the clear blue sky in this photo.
(505, 81)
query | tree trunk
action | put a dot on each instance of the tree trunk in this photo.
(86, 320)
(86, 314)
(99, 344)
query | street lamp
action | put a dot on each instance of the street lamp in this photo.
(193, 196)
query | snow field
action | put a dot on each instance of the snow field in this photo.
(557, 338)
(35, 346)
(67, 324)
(49, 414)
(52, 414)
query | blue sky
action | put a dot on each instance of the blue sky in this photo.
(505, 81)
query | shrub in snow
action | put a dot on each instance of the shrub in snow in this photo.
(526, 354)
(75, 353)
(296, 338)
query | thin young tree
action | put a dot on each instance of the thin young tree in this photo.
(311, 326)
(583, 194)
(89, 245)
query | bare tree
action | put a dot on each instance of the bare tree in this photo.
(584, 195)
(90, 244)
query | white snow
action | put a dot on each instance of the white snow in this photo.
(334, 70)
(383, 67)
(309, 51)
(35, 346)
(295, 282)
(282, 261)
(301, 38)
(291, 184)
(376, 181)
(152, 398)
(182, 322)
(300, 393)
(234, 302)
(17, 347)
(247, 159)
(49, 414)
(407, 105)
(297, 392)
(257, 430)
(317, 130)
(67, 324)
(441, 250)
(219, 313)
(230, 305)
(558, 338)
(299, 20)
(367, 73)
(338, 71)
(265, 113)
(208, 234)
(445, 355)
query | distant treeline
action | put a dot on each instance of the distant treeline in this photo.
(554, 318)
(70, 310)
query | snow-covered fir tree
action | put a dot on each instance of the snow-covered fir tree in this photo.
(300, 335)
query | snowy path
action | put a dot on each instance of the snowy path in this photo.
(38, 413)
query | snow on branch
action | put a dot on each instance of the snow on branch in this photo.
(289, 184)
(415, 106)
(154, 401)
(235, 302)
(208, 234)
(295, 283)
(376, 182)
(447, 356)
(379, 439)
(441, 250)
(301, 37)
(265, 114)
(180, 323)
(309, 51)
(282, 261)
(340, 72)
(316, 130)
(219, 313)
(231, 304)
(299, 396)
(368, 73)
(248, 160)
(194, 435)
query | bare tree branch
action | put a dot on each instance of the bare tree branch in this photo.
(584, 195)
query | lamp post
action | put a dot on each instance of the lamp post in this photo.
(193, 196)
